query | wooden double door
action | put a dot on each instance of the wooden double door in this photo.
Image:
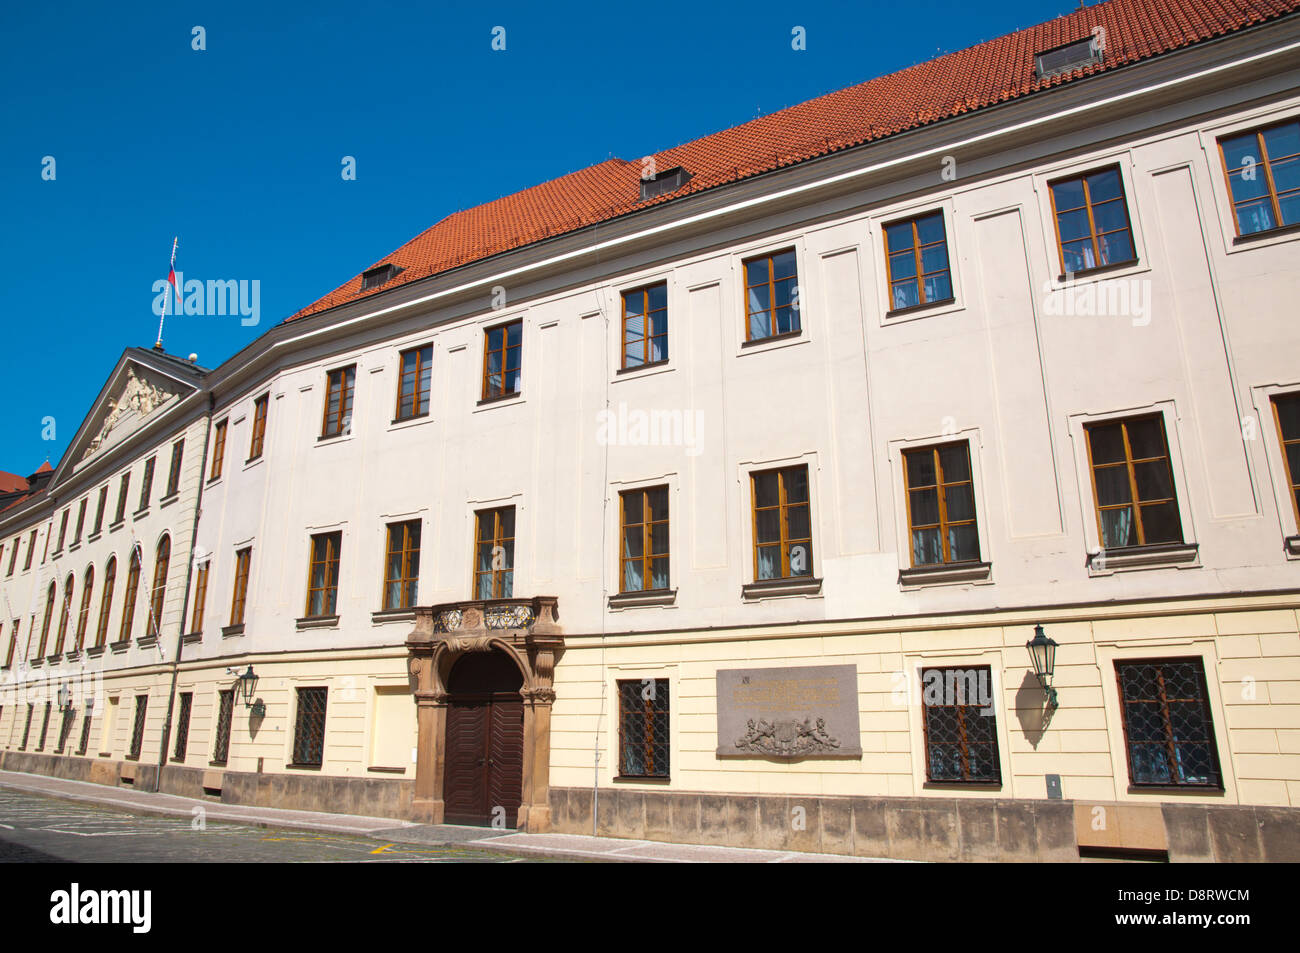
(484, 775)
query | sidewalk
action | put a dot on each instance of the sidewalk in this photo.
(391, 831)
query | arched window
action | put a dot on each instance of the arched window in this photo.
(50, 595)
(67, 611)
(106, 601)
(87, 588)
(159, 591)
(132, 587)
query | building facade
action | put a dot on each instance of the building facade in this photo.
(722, 507)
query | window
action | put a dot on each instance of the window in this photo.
(183, 726)
(121, 498)
(1168, 733)
(378, 275)
(13, 642)
(218, 449)
(782, 523)
(643, 562)
(1092, 223)
(81, 521)
(771, 295)
(338, 401)
(225, 712)
(259, 426)
(643, 728)
(1286, 411)
(243, 560)
(174, 473)
(309, 728)
(502, 356)
(137, 730)
(65, 729)
(45, 728)
(50, 595)
(49, 534)
(402, 565)
(1133, 483)
(916, 261)
(132, 588)
(146, 485)
(941, 505)
(961, 742)
(83, 616)
(106, 601)
(67, 611)
(27, 728)
(13, 555)
(414, 382)
(645, 326)
(663, 183)
(158, 593)
(99, 510)
(323, 575)
(1263, 170)
(1066, 59)
(84, 742)
(63, 531)
(200, 597)
(494, 553)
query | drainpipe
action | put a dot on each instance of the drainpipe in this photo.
(185, 603)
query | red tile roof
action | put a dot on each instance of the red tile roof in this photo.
(956, 83)
(11, 482)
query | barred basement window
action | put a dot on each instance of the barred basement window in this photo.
(65, 728)
(643, 728)
(225, 712)
(309, 728)
(1133, 483)
(782, 523)
(258, 441)
(402, 565)
(137, 731)
(1168, 732)
(45, 728)
(84, 743)
(27, 728)
(183, 725)
(961, 740)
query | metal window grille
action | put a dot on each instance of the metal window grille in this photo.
(1168, 732)
(225, 711)
(309, 730)
(137, 732)
(84, 743)
(65, 729)
(45, 727)
(643, 728)
(27, 729)
(183, 725)
(961, 741)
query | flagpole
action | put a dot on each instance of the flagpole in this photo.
(162, 317)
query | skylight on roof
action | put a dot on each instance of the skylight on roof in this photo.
(1072, 56)
(662, 183)
(378, 275)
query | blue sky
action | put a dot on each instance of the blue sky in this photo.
(238, 148)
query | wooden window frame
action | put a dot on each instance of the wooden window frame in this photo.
(941, 487)
(408, 578)
(106, 601)
(13, 642)
(343, 381)
(420, 401)
(31, 551)
(648, 326)
(658, 704)
(1135, 502)
(13, 555)
(146, 485)
(1293, 479)
(782, 507)
(1206, 712)
(917, 248)
(333, 543)
(51, 595)
(498, 541)
(648, 537)
(69, 586)
(239, 592)
(504, 351)
(81, 521)
(100, 507)
(257, 443)
(771, 293)
(132, 593)
(158, 591)
(1082, 178)
(218, 448)
(123, 489)
(963, 743)
(63, 531)
(200, 596)
(1266, 162)
(83, 614)
(174, 470)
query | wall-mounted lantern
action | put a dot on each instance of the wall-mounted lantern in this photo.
(1042, 650)
(65, 697)
(245, 685)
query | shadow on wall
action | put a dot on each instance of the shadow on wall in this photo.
(1031, 709)
(256, 715)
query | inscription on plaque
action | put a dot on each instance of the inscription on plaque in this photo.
(788, 713)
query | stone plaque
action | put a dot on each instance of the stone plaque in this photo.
(788, 713)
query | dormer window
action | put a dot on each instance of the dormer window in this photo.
(662, 183)
(1066, 59)
(379, 275)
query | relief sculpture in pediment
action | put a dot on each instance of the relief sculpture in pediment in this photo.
(139, 395)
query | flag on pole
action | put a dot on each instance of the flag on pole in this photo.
(171, 278)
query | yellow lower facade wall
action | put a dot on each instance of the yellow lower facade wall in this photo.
(1250, 650)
